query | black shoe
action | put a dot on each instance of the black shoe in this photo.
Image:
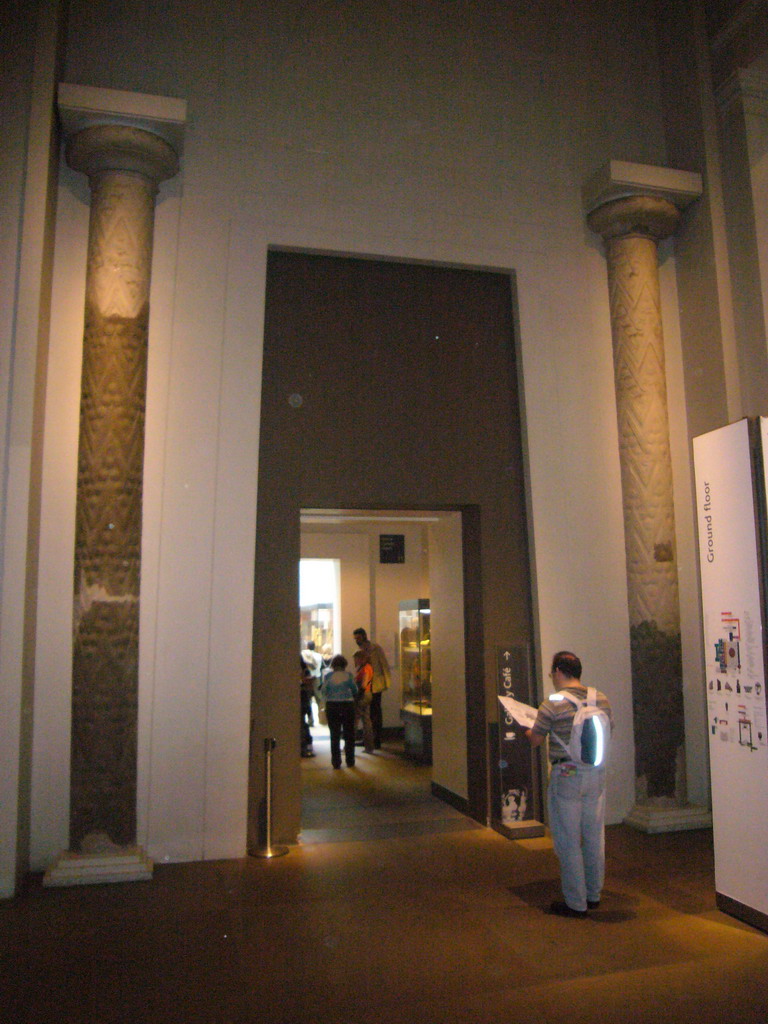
(593, 904)
(563, 910)
(350, 764)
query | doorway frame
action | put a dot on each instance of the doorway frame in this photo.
(475, 804)
(292, 396)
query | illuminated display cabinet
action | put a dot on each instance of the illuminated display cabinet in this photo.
(416, 678)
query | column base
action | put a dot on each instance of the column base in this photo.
(648, 818)
(126, 864)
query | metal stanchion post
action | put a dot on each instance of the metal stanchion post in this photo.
(268, 850)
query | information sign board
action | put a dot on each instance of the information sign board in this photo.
(730, 499)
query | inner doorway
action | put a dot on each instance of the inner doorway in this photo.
(400, 575)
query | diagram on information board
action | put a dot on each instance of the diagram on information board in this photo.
(736, 698)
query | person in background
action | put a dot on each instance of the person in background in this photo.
(363, 679)
(382, 679)
(313, 659)
(327, 653)
(339, 692)
(576, 793)
(307, 688)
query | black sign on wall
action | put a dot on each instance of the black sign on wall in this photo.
(515, 783)
(391, 548)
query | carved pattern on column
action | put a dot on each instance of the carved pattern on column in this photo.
(641, 396)
(124, 166)
(120, 244)
(631, 228)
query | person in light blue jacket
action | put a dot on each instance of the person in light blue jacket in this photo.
(340, 691)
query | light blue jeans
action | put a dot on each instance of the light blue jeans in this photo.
(577, 823)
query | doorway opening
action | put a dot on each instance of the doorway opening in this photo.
(398, 574)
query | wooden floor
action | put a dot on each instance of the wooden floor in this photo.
(393, 908)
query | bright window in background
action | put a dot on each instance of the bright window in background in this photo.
(320, 618)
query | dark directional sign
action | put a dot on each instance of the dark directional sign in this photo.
(391, 548)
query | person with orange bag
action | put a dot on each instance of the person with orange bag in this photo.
(373, 654)
(364, 680)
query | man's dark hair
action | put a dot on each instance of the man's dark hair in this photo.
(567, 663)
(360, 632)
(310, 645)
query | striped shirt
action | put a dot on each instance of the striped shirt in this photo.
(556, 717)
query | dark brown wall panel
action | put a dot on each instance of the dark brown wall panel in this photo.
(390, 385)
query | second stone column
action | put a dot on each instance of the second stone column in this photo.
(631, 228)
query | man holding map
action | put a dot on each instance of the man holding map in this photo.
(576, 796)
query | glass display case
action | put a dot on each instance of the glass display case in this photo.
(416, 678)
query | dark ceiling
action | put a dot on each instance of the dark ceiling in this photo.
(738, 34)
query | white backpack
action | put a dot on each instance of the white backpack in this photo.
(591, 731)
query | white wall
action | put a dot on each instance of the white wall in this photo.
(53, 686)
(744, 137)
(14, 446)
(757, 137)
(754, 89)
(395, 133)
(27, 198)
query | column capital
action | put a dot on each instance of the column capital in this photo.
(112, 130)
(619, 179)
(638, 199)
(118, 147)
(649, 216)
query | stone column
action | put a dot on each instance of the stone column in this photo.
(125, 165)
(631, 228)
